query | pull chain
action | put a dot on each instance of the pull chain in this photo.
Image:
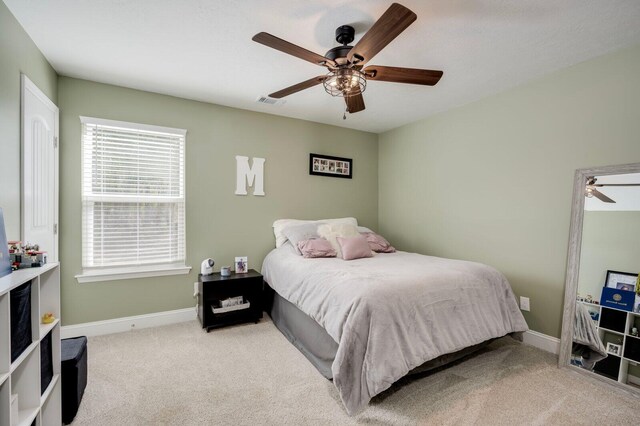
(344, 116)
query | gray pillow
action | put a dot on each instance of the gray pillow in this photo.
(297, 233)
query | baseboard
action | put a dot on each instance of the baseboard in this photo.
(119, 325)
(542, 341)
(633, 379)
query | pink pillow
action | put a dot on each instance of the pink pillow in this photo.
(377, 243)
(316, 247)
(354, 247)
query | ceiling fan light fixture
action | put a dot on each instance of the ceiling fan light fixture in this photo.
(345, 82)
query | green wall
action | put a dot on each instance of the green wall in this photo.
(492, 181)
(220, 224)
(18, 54)
(610, 241)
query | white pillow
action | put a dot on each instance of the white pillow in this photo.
(280, 224)
(331, 232)
(297, 233)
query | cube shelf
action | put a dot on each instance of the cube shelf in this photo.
(20, 380)
(5, 402)
(51, 403)
(615, 326)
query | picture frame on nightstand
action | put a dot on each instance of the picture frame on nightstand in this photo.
(241, 265)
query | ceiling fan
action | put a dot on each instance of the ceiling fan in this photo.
(347, 76)
(592, 191)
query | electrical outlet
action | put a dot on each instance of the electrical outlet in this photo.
(524, 303)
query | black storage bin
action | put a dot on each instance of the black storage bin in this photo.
(20, 301)
(632, 348)
(46, 363)
(613, 319)
(74, 376)
(608, 367)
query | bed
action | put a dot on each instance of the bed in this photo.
(368, 322)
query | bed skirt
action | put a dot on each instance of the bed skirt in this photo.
(318, 347)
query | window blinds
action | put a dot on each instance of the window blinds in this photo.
(133, 203)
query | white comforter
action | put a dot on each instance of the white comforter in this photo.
(393, 312)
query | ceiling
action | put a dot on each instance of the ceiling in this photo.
(627, 198)
(202, 49)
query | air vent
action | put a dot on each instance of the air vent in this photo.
(269, 101)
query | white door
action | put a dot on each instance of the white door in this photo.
(39, 169)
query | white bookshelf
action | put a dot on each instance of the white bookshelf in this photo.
(621, 335)
(22, 376)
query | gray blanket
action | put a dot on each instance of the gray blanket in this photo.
(586, 340)
(393, 312)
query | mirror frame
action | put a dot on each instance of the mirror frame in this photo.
(573, 259)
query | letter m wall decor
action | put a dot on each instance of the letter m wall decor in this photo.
(249, 175)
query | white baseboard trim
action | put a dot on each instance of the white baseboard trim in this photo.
(542, 341)
(119, 325)
(633, 379)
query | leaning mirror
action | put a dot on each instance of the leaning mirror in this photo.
(602, 292)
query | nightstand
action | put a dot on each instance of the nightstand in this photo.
(214, 289)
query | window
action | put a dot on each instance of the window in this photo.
(133, 202)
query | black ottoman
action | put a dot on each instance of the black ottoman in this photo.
(74, 376)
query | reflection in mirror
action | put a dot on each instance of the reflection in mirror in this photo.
(607, 312)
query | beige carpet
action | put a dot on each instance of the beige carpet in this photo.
(251, 375)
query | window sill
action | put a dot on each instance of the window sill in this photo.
(131, 273)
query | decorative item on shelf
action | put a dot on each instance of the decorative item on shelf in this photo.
(617, 299)
(614, 349)
(14, 246)
(589, 298)
(206, 267)
(634, 331)
(325, 165)
(225, 271)
(242, 265)
(25, 255)
(621, 280)
(48, 318)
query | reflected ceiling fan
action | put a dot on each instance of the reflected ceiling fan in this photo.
(347, 76)
(591, 189)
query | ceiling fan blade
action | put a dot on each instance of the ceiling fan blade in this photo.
(617, 184)
(291, 49)
(403, 75)
(393, 22)
(354, 103)
(601, 196)
(297, 87)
